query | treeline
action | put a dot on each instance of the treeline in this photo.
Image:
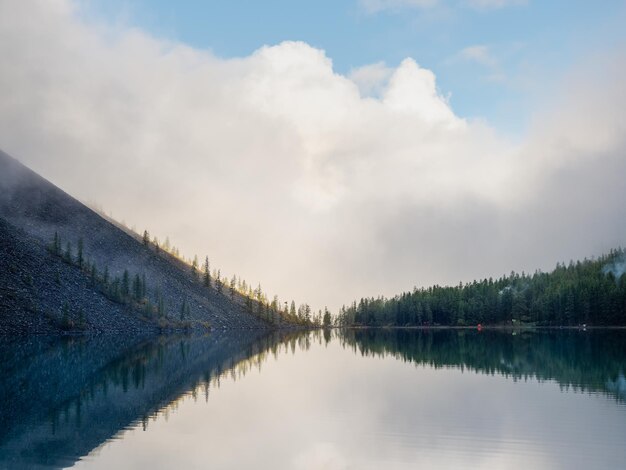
(591, 292)
(254, 299)
(128, 289)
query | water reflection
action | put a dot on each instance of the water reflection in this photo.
(593, 361)
(361, 398)
(61, 398)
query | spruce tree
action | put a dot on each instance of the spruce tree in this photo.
(137, 287)
(55, 246)
(233, 283)
(68, 253)
(115, 290)
(327, 319)
(194, 267)
(206, 277)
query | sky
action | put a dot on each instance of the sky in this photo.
(494, 59)
(331, 150)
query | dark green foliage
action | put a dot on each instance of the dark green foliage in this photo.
(137, 290)
(68, 253)
(218, 282)
(587, 292)
(304, 313)
(146, 238)
(233, 283)
(114, 291)
(327, 320)
(194, 267)
(206, 276)
(55, 245)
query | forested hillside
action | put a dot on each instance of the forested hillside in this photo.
(591, 292)
(64, 267)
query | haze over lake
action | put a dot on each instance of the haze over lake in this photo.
(353, 399)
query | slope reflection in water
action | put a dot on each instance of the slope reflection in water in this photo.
(354, 399)
(61, 398)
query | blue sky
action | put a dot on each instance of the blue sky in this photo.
(497, 59)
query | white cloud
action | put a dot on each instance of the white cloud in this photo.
(413, 90)
(287, 172)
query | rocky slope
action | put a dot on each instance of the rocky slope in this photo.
(36, 287)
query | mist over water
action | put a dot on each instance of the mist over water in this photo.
(325, 399)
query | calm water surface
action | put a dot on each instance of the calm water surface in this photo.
(358, 399)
